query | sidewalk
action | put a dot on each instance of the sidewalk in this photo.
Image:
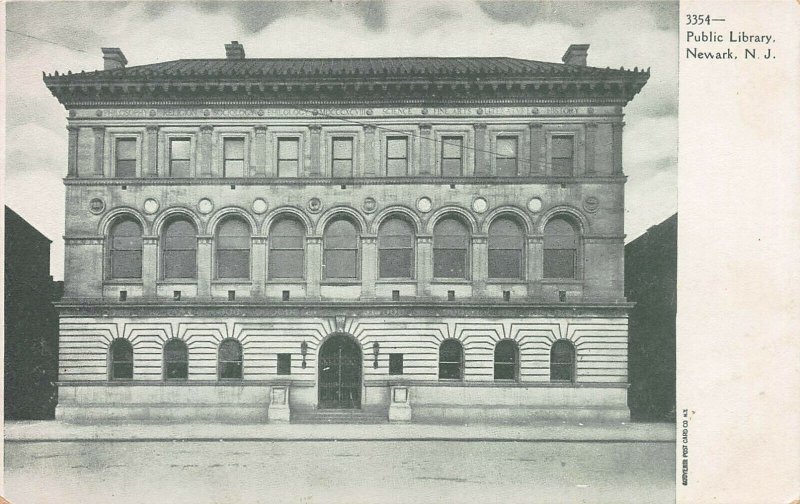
(51, 430)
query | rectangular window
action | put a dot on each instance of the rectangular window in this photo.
(396, 156)
(233, 152)
(452, 152)
(396, 364)
(179, 157)
(126, 157)
(342, 157)
(288, 157)
(506, 156)
(559, 263)
(562, 155)
(284, 364)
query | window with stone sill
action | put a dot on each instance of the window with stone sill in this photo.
(506, 249)
(560, 249)
(395, 249)
(562, 361)
(126, 250)
(340, 260)
(288, 157)
(230, 360)
(180, 157)
(176, 360)
(450, 249)
(233, 249)
(179, 250)
(121, 353)
(451, 360)
(562, 154)
(125, 162)
(342, 157)
(396, 156)
(506, 156)
(233, 157)
(452, 156)
(286, 249)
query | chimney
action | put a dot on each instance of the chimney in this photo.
(576, 55)
(234, 50)
(113, 58)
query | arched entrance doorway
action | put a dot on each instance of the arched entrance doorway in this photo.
(340, 373)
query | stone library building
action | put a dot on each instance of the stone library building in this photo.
(434, 240)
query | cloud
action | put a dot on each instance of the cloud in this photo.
(150, 32)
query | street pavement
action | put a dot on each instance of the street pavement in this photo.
(339, 471)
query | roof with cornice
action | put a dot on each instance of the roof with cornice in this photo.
(351, 80)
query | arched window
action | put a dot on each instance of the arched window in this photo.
(233, 249)
(560, 249)
(562, 361)
(176, 360)
(340, 242)
(121, 353)
(506, 360)
(126, 249)
(286, 249)
(450, 249)
(180, 250)
(451, 360)
(506, 246)
(230, 360)
(396, 249)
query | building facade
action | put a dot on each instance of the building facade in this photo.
(419, 239)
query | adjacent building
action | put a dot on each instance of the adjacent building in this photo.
(415, 239)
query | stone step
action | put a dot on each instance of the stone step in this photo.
(339, 417)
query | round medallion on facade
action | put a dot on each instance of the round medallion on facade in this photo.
(99, 113)
(591, 204)
(205, 206)
(424, 204)
(150, 206)
(369, 205)
(72, 113)
(424, 111)
(261, 112)
(535, 111)
(314, 205)
(534, 205)
(97, 205)
(206, 112)
(259, 206)
(369, 111)
(480, 111)
(152, 113)
(479, 205)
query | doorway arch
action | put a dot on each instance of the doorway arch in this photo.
(339, 373)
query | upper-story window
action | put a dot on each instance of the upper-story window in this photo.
(506, 156)
(233, 249)
(286, 249)
(342, 157)
(180, 250)
(288, 157)
(341, 244)
(180, 157)
(506, 246)
(562, 152)
(560, 249)
(395, 249)
(397, 156)
(125, 165)
(126, 249)
(233, 153)
(450, 249)
(452, 156)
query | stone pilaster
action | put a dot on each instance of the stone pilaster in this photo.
(480, 269)
(424, 264)
(591, 142)
(149, 266)
(258, 270)
(72, 153)
(204, 266)
(259, 158)
(427, 150)
(150, 162)
(538, 147)
(370, 163)
(99, 146)
(204, 152)
(534, 257)
(313, 266)
(369, 266)
(483, 165)
(616, 146)
(316, 151)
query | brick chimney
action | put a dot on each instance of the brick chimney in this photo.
(234, 50)
(576, 55)
(113, 58)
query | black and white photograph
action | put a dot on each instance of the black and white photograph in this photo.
(345, 251)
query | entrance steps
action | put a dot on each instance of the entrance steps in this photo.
(340, 416)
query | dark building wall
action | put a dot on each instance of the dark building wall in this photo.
(31, 322)
(651, 283)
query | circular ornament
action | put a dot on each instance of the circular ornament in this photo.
(97, 205)
(424, 111)
(206, 112)
(152, 113)
(424, 204)
(261, 112)
(535, 111)
(99, 113)
(591, 204)
(72, 113)
(534, 205)
(480, 111)
(205, 206)
(479, 205)
(314, 205)
(369, 205)
(150, 206)
(259, 206)
(369, 111)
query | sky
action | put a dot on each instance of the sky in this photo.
(49, 36)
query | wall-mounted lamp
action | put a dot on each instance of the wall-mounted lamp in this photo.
(303, 352)
(376, 348)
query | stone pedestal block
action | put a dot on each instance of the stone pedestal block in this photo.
(399, 406)
(278, 410)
